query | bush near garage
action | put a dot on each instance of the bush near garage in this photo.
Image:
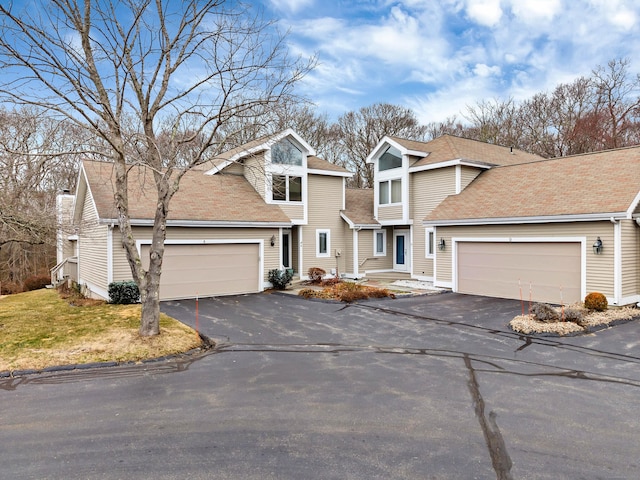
(280, 278)
(124, 293)
(347, 292)
(596, 301)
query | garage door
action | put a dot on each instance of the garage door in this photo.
(494, 269)
(208, 270)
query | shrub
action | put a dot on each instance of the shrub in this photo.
(545, 313)
(280, 278)
(596, 301)
(124, 293)
(36, 282)
(316, 274)
(9, 288)
(573, 315)
(346, 292)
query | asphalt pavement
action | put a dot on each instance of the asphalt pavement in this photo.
(433, 386)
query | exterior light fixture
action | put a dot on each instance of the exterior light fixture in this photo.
(442, 244)
(597, 246)
(273, 240)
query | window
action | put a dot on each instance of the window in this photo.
(390, 192)
(390, 159)
(379, 243)
(430, 242)
(286, 153)
(323, 243)
(286, 188)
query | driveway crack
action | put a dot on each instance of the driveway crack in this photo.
(493, 437)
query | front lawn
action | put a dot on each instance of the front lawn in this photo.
(39, 329)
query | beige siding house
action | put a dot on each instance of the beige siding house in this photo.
(552, 230)
(270, 204)
(410, 180)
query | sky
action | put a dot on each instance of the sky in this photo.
(439, 56)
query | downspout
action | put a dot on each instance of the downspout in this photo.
(356, 272)
(617, 260)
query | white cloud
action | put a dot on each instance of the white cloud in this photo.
(484, 12)
(482, 70)
(531, 11)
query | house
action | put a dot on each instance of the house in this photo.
(463, 214)
(552, 230)
(385, 231)
(269, 204)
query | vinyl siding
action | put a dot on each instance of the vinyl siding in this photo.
(254, 172)
(428, 189)
(92, 246)
(630, 258)
(600, 268)
(236, 168)
(293, 211)
(325, 197)
(468, 175)
(121, 270)
(366, 258)
(390, 213)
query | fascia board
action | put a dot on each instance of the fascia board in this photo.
(520, 220)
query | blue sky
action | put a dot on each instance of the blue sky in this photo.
(437, 56)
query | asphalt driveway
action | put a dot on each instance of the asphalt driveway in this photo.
(422, 387)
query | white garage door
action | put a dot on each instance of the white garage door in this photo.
(207, 270)
(495, 269)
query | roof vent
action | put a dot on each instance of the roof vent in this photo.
(511, 150)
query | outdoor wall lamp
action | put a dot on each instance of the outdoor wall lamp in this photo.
(597, 246)
(273, 240)
(442, 244)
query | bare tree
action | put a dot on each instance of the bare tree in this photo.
(128, 70)
(359, 132)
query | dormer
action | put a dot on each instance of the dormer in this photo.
(391, 160)
(276, 167)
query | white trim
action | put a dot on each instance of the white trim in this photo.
(94, 289)
(593, 217)
(634, 205)
(405, 151)
(329, 173)
(262, 284)
(451, 163)
(392, 223)
(109, 254)
(143, 222)
(448, 285)
(356, 266)
(458, 178)
(384, 270)
(328, 252)
(384, 242)
(581, 240)
(264, 146)
(633, 299)
(406, 233)
(431, 255)
(617, 261)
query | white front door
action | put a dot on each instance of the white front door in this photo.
(401, 250)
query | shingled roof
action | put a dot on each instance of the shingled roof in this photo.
(359, 207)
(596, 185)
(315, 163)
(201, 198)
(449, 147)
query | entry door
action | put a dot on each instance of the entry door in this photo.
(286, 249)
(401, 252)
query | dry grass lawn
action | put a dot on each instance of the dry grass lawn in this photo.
(528, 324)
(39, 329)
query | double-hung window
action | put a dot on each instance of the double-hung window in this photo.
(390, 191)
(286, 188)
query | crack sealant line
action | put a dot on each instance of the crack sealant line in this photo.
(493, 437)
(544, 341)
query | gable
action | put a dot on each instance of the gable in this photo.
(590, 186)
